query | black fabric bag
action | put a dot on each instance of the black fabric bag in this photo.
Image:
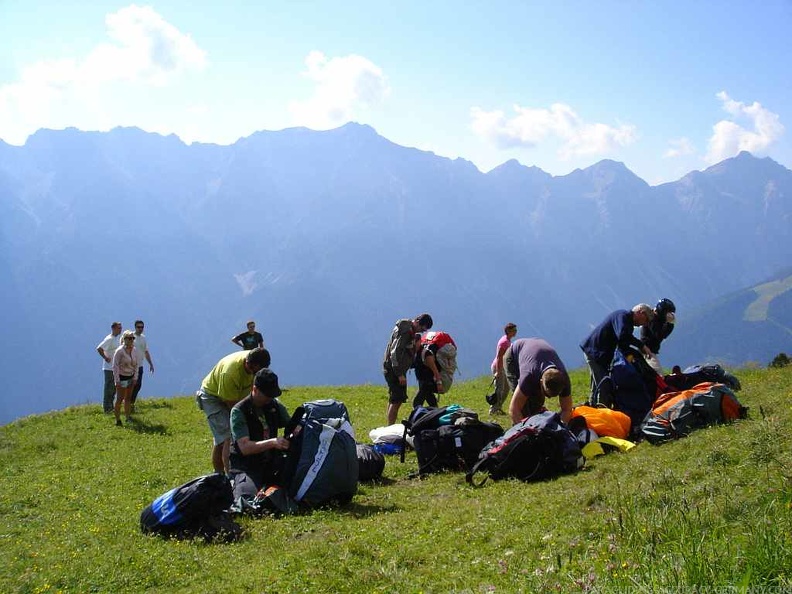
(537, 448)
(370, 463)
(452, 447)
(197, 508)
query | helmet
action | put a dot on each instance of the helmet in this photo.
(665, 306)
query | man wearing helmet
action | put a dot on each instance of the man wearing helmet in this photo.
(657, 330)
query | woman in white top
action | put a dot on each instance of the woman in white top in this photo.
(125, 372)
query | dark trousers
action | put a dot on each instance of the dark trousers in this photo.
(426, 391)
(138, 384)
(109, 391)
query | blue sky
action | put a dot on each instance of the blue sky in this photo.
(665, 87)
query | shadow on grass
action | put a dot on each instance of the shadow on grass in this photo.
(154, 404)
(360, 510)
(148, 428)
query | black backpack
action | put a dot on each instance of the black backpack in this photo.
(370, 463)
(534, 449)
(195, 509)
(448, 438)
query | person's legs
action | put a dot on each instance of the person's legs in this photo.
(218, 415)
(397, 394)
(597, 371)
(109, 391)
(501, 392)
(138, 385)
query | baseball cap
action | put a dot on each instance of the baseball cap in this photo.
(267, 383)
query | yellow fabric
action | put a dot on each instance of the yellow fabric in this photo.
(594, 448)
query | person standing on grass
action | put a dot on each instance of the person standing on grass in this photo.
(656, 331)
(125, 370)
(615, 331)
(399, 355)
(535, 372)
(254, 436)
(250, 339)
(106, 350)
(141, 346)
(229, 382)
(498, 374)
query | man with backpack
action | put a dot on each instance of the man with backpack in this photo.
(535, 372)
(435, 364)
(254, 435)
(228, 383)
(615, 331)
(399, 355)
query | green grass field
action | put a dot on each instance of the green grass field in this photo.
(712, 512)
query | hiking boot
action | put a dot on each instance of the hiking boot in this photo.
(119, 423)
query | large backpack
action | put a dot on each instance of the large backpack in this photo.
(536, 448)
(698, 374)
(676, 414)
(321, 463)
(447, 438)
(195, 509)
(631, 387)
(446, 355)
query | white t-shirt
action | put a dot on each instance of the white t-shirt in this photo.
(109, 346)
(141, 347)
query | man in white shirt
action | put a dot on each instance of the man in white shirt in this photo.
(106, 350)
(143, 353)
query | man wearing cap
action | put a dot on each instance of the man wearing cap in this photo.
(106, 350)
(535, 372)
(615, 331)
(228, 383)
(398, 358)
(254, 435)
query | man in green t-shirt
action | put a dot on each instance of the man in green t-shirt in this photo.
(254, 435)
(228, 383)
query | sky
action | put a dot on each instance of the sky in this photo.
(664, 87)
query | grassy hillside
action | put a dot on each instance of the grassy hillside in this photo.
(711, 510)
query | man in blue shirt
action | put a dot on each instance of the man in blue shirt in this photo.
(615, 331)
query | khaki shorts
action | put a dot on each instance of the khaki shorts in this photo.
(218, 414)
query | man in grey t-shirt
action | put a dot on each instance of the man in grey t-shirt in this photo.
(535, 372)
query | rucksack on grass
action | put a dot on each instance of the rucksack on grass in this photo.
(676, 414)
(447, 438)
(196, 509)
(321, 463)
(534, 449)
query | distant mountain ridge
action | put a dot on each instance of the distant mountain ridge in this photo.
(326, 238)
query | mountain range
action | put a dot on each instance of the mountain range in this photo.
(327, 238)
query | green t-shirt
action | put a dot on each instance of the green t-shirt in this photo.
(239, 427)
(229, 380)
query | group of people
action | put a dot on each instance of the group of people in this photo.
(529, 367)
(123, 352)
(239, 395)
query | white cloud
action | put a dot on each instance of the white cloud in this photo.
(729, 137)
(531, 126)
(345, 87)
(144, 50)
(679, 147)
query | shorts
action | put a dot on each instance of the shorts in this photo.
(125, 381)
(397, 393)
(511, 367)
(218, 414)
